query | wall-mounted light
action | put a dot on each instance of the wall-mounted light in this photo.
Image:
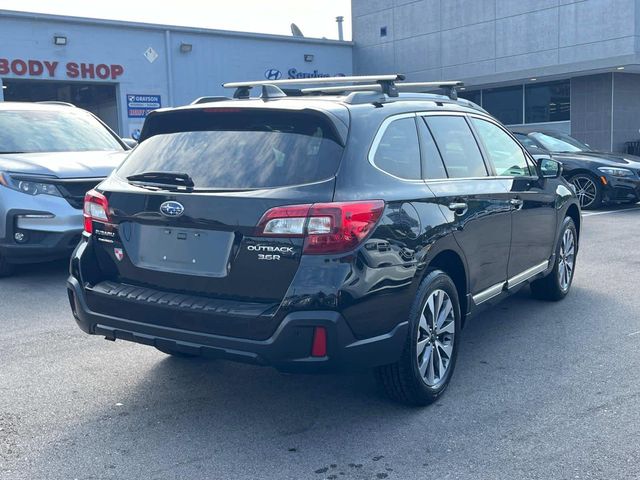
(620, 68)
(186, 47)
(308, 57)
(4, 86)
(533, 79)
(59, 40)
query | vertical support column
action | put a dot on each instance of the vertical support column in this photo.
(591, 109)
(169, 63)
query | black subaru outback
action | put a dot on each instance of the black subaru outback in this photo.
(322, 228)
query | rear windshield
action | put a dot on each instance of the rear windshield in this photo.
(61, 130)
(238, 149)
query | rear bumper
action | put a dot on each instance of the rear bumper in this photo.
(288, 349)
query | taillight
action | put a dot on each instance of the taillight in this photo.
(96, 208)
(335, 227)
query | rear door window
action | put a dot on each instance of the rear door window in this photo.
(432, 166)
(398, 151)
(505, 153)
(457, 145)
(238, 148)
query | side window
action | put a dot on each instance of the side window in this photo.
(505, 154)
(457, 145)
(432, 166)
(398, 152)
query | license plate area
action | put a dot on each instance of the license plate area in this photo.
(179, 250)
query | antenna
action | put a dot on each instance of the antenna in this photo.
(295, 31)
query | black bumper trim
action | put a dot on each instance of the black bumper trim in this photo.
(288, 349)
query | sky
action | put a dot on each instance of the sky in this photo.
(316, 18)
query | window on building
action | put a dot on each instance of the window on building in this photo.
(506, 155)
(547, 102)
(398, 152)
(457, 145)
(474, 96)
(383, 31)
(504, 103)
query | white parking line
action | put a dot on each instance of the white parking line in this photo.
(591, 214)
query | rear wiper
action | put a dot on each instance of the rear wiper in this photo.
(10, 153)
(163, 178)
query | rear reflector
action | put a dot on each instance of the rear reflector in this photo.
(319, 347)
(96, 208)
(335, 227)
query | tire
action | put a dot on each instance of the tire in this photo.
(176, 353)
(555, 286)
(588, 189)
(403, 380)
(6, 269)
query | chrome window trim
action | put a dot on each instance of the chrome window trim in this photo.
(527, 274)
(378, 138)
(385, 124)
(463, 179)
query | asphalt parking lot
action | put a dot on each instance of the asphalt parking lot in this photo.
(541, 390)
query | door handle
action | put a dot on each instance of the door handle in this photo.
(460, 208)
(517, 203)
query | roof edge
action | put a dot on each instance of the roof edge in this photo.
(163, 27)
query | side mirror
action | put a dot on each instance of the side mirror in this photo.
(548, 168)
(130, 142)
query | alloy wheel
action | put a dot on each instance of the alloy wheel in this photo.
(566, 261)
(436, 333)
(586, 190)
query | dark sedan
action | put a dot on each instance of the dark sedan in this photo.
(599, 177)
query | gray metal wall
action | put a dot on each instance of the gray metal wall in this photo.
(605, 110)
(492, 41)
(501, 42)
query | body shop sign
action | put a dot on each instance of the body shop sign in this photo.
(139, 106)
(55, 69)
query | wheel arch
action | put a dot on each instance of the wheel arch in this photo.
(451, 262)
(580, 171)
(574, 212)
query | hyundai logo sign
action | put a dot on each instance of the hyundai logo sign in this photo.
(171, 209)
(273, 74)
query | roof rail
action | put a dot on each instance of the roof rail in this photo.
(415, 87)
(56, 102)
(209, 99)
(385, 82)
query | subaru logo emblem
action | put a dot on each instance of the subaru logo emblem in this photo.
(273, 74)
(171, 209)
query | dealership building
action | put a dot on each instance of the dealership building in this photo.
(569, 65)
(122, 70)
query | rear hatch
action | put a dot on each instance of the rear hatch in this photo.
(184, 208)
